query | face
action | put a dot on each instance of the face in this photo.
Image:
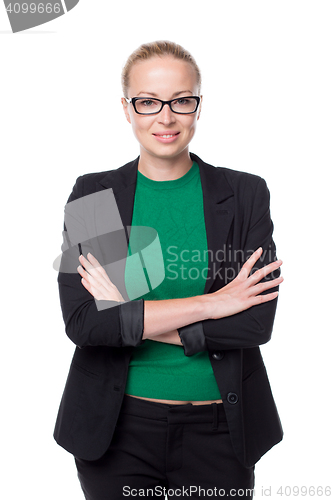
(165, 78)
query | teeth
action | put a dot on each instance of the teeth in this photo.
(167, 136)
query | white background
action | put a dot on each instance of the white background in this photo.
(267, 109)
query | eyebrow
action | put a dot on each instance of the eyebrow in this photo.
(173, 95)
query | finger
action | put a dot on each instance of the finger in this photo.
(262, 287)
(248, 265)
(96, 283)
(95, 270)
(261, 299)
(93, 266)
(89, 266)
(85, 263)
(82, 272)
(86, 285)
(93, 291)
(95, 262)
(99, 273)
(264, 271)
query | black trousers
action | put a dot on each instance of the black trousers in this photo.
(182, 451)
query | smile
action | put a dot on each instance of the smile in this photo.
(167, 137)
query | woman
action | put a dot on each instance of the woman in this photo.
(168, 393)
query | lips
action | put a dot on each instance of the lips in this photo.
(166, 137)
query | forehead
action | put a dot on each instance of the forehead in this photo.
(162, 76)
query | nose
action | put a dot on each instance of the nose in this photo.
(166, 116)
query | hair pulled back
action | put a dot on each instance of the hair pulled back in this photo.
(159, 48)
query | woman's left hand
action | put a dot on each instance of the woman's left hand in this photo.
(96, 280)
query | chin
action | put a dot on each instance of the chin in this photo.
(168, 154)
(167, 151)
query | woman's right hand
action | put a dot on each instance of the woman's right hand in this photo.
(96, 280)
(245, 290)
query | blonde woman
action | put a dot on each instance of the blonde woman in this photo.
(168, 393)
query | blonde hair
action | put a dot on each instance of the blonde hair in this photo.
(159, 48)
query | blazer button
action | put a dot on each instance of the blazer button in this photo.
(232, 398)
(218, 355)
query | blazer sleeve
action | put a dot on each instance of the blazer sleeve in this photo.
(120, 325)
(253, 326)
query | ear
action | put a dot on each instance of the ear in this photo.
(199, 111)
(125, 108)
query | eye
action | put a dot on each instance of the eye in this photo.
(183, 101)
(147, 103)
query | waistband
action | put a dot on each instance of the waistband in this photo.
(182, 413)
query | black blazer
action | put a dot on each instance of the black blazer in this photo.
(237, 216)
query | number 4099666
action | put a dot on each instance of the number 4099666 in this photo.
(303, 491)
(33, 8)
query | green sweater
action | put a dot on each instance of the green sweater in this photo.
(175, 210)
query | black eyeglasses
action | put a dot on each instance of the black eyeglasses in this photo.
(149, 106)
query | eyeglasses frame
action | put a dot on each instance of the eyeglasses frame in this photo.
(133, 100)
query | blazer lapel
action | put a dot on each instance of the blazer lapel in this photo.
(123, 183)
(218, 200)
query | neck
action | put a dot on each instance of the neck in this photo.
(164, 169)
